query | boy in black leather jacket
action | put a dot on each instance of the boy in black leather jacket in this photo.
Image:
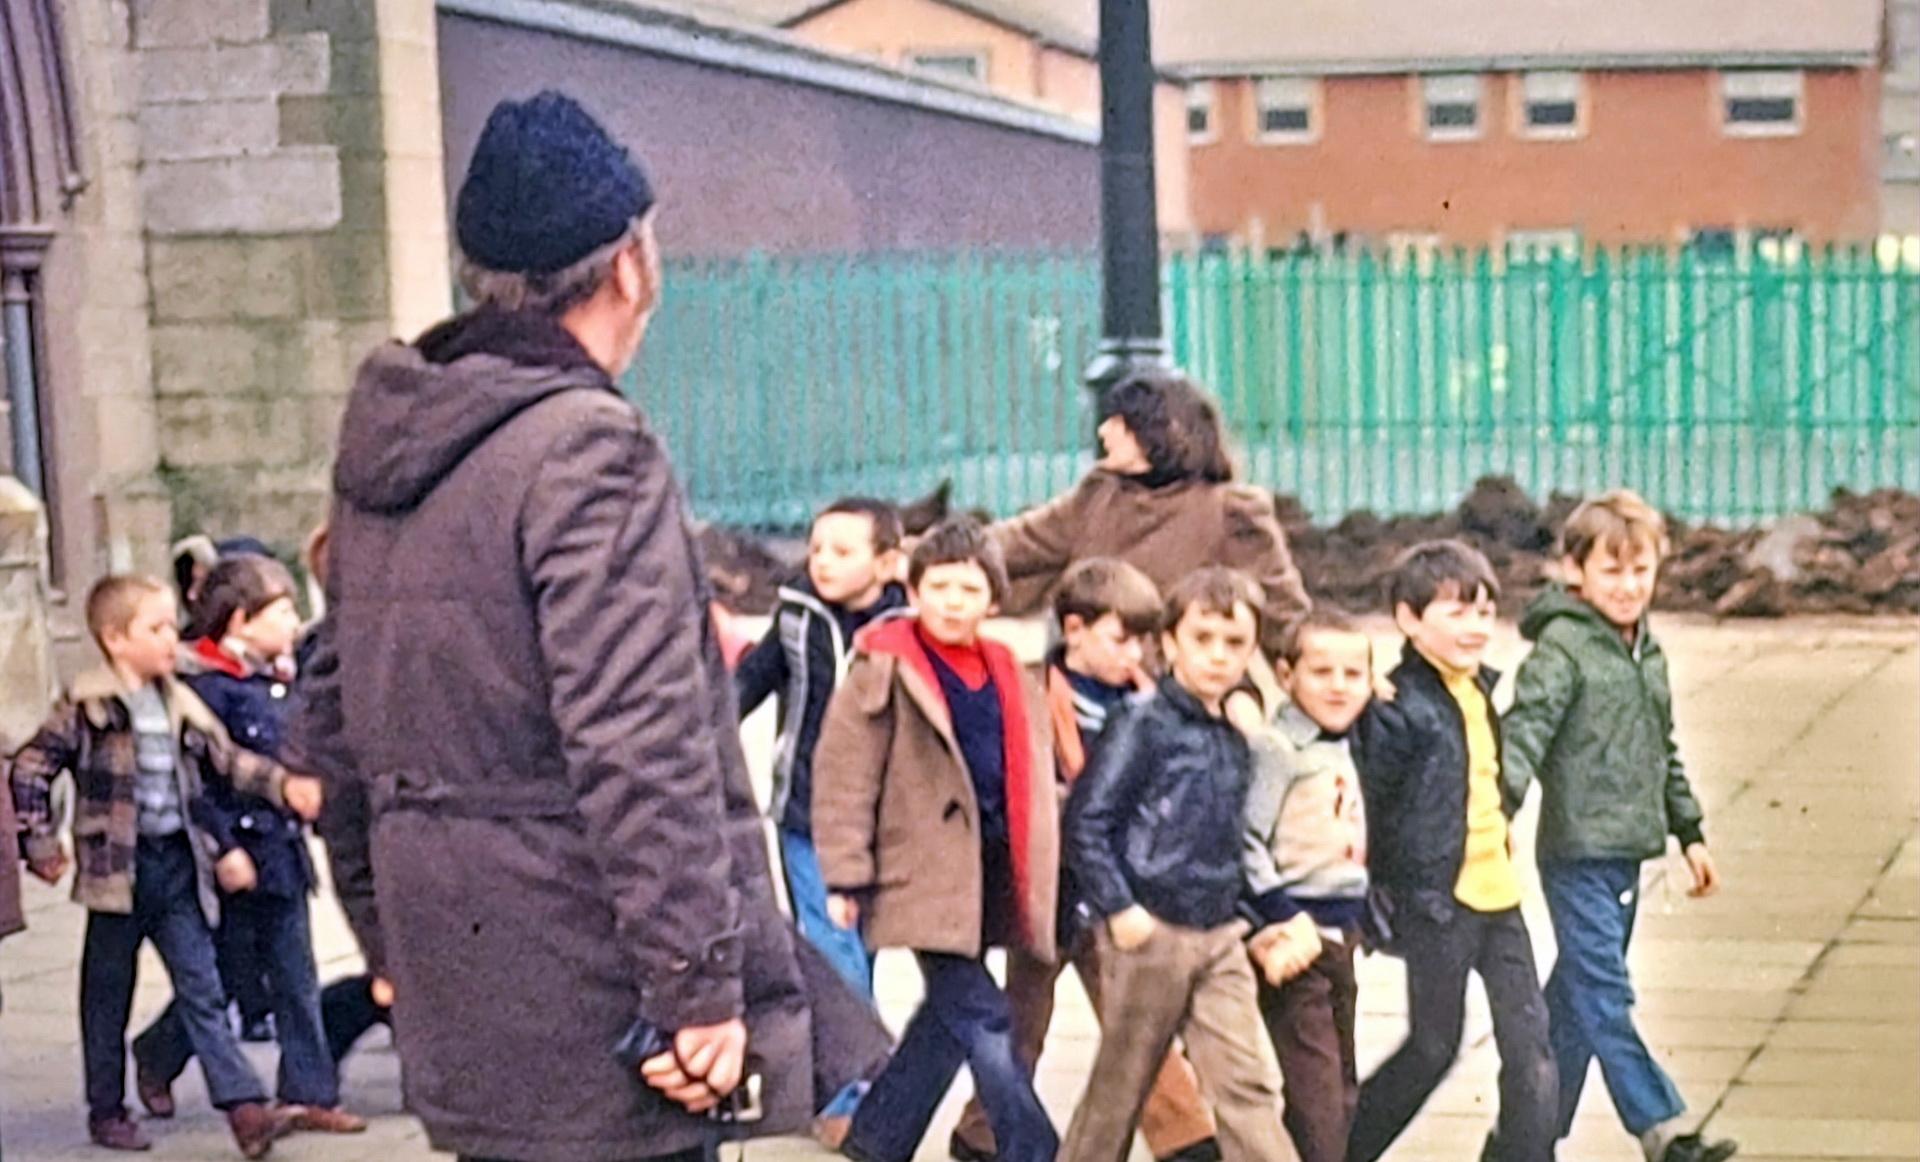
(1440, 857)
(1153, 840)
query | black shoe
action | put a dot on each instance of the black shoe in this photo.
(1694, 1148)
(960, 1150)
(258, 1031)
(1205, 1150)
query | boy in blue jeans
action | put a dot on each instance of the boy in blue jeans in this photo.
(853, 555)
(1592, 721)
(141, 748)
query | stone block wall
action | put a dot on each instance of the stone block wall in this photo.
(270, 149)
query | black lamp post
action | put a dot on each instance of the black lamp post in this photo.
(1129, 224)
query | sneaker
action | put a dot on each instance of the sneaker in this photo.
(256, 1128)
(961, 1150)
(1205, 1150)
(1694, 1148)
(155, 1094)
(118, 1133)
(324, 1119)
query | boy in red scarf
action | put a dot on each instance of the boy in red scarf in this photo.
(935, 820)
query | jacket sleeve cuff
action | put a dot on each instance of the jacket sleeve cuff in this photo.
(1689, 834)
(1110, 901)
(695, 990)
(40, 848)
(1275, 907)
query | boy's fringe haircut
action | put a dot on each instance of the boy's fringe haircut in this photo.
(1213, 589)
(1099, 586)
(1320, 619)
(887, 530)
(1616, 521)
(1428, 569)
(960, 540)
(243, 584)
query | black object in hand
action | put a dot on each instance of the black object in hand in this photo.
(643, 1041)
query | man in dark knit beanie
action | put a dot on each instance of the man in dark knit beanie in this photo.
(519, 671)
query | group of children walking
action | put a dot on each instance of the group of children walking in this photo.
(1212, 866)
(187, 834)
(1209, 865)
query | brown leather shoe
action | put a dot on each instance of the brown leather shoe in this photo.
(255, 1128)
(155, 1094)
(325, 1120)
(120, 1133)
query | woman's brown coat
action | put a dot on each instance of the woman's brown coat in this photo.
(1165, 532)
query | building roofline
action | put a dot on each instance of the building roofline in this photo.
(1050, 37)
(1520, 62)
(674, 33)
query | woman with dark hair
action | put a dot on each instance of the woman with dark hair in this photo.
(238, 659)
(1163, 499)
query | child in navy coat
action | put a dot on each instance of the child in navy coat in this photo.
(239, 660)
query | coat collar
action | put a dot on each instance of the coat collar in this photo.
(1299, 729)
(1182, 700)
(1413, 663)
(98, 690)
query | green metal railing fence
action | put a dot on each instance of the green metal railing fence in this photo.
(1725, 389)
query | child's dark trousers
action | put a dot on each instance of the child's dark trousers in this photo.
(1441, 954)
(166, 910)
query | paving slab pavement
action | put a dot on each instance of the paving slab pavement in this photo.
(1788, 1008)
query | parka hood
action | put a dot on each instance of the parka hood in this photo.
(418, 410)
(1557, 602)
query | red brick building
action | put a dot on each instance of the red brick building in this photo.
(1558, 122)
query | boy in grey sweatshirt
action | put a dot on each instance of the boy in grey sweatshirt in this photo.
(1305, 858)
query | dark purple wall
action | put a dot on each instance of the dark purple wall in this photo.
(744, 162)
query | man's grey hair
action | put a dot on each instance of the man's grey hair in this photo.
(548, 294)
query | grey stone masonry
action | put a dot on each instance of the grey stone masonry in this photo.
(212, 76)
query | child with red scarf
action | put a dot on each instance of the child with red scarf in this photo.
(936, 823)
(239, 660)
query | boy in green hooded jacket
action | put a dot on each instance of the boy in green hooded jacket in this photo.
(1592, 721)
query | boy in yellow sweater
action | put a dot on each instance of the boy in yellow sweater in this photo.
(1441, 864)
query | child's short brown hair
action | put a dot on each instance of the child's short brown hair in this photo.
(1616, 521)
(1213, 589)
(244, 584)
(1430, 568)
(1320, 619)
(960, 540)
(1099, 586)
(115, 599)
(887, 530)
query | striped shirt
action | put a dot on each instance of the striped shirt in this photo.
(156, 792)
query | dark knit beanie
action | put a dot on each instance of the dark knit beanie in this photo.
(546, 188)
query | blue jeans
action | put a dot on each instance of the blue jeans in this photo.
(285, 937)
(965, 1018)
(166, 910)
(807, 890)
(1590, 998)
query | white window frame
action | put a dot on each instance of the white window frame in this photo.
(1450, 89)
(1203, 97)
(1535, 244)
(1762, 85)
(1550, 87)
(918, 61)
(1303, 93)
